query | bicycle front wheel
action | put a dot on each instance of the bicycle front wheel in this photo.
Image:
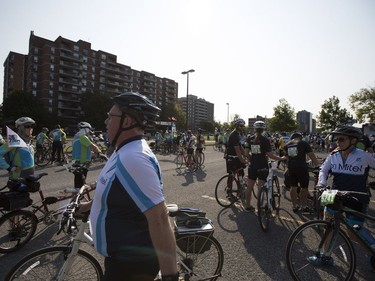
(264, 210)
(199, 257)
(226, 191)
(305, 243)
(276, 193)
(16, 229)
(42, 158)
(46, 263)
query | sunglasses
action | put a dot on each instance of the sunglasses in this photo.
(28, 126)
(341, 139)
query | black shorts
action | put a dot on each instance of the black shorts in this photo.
(299, 177)
(189, 151)
(200, 150)
(257, 172)
(234, 164)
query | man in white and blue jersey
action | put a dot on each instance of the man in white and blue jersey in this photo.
(129, 218)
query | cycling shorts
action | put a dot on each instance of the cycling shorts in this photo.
(200, 150)
(299, 177)
(257, 172)
(234, 164)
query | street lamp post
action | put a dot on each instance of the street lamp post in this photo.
(187, 96)
(228, 112)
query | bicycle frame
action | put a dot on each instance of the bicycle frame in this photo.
(336, 222)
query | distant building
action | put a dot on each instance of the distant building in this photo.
(199, 110)
(59, 72)
(305, 122)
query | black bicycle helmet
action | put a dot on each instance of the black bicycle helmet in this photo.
(296, 135)
(349, 131)
(138, 106)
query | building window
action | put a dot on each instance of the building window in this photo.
(76, 48)
(52, 67)
(34, 85)
(36, 51)
(34, 93)
(35, 59)
(104, 57)
(52, 50)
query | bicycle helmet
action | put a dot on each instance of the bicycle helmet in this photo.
(24, 121)
(138, 106)
(85, 128)
(239, 122)
(296, 135)
(349, 131)
(20, 125)
(259, 125)
(45, 130)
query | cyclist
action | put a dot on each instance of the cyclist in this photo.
(349, 167)
(258, 148)
(298, 173)
(281, 145)
(19, 161)
(58, 137)
(129, 218)
(190, 143)
(235, 158)
(41, 138)
(81, 151)
(199, 146)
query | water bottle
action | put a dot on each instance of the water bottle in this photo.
(366, 235)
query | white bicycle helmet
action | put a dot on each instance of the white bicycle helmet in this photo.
(85, 128)
(239, 122)
(24, 121)
(259, 125)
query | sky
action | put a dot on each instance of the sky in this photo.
(245, 53)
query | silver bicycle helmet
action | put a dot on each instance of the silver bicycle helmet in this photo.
(259, 125)
(239, 122)
(24, 121)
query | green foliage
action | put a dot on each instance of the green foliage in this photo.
(332, 115)
(95, 107)
(207, 126)
(174, 110)
(363, 104)
(284, 119)
(20, 104)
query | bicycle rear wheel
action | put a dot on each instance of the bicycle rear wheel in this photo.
(305, 243)
(180, 160)
(199, 257)
(46, 263)
(264, 210)
(226, 191)
(16, 229)
(42, 158)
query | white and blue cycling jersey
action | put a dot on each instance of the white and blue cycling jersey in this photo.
(129, 184)
(349, 174)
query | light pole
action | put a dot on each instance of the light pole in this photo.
(187, 96)
(228, 112)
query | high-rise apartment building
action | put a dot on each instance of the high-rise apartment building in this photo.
(198, 110)
(304, 119)
(59, 72)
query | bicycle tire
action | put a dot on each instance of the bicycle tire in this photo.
(276, 193)
(264, 211)
(226, 196)
(16, 229)
(304, 243)
(42, 158)
(196, 261)
(180, 161)
(255, 191)
(44, 264)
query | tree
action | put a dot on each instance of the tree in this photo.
(174, 110)
(95, 107)
(284, 119)
(332, 115)
(363, 104)
(20, 104)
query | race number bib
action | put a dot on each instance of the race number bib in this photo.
(255, 149)
(328, 197)
(292, 151)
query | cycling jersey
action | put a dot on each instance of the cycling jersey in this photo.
(22, 157)
(258, 148)
(40, 138)
(234, 139)
(297, 152)
(200, 141)
(129, 184)
(57, 135)
(348, 174)
(81, 148)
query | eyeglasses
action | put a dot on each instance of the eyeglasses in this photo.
(28, 126)
(110, 115)
(341, 139)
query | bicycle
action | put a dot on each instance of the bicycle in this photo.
(62, 262)
(218, 147)
(42, 156)
(199, 158)
(18, 226)
(268, 198)
(328, 242)
(187, 160)
(199, 255)
(231, 188)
